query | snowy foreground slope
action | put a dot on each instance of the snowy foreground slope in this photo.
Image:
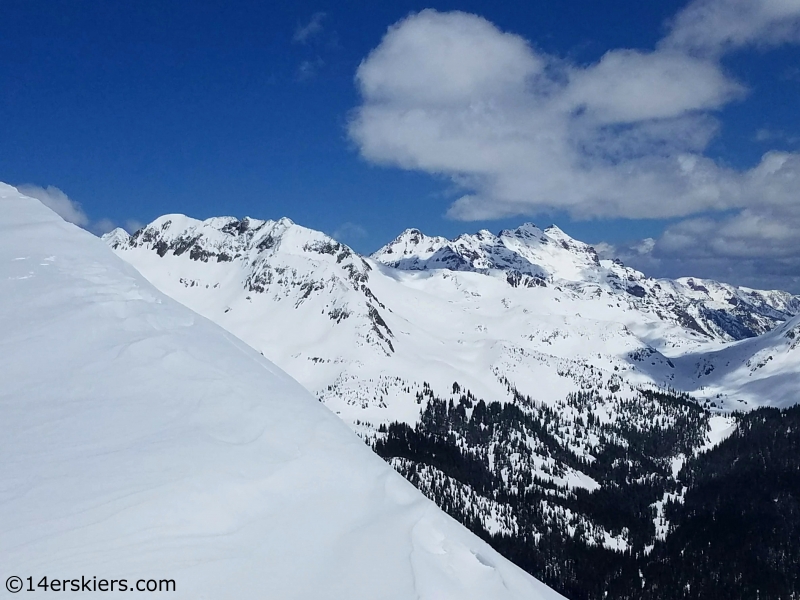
(139, 440)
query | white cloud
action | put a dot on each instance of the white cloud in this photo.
(716, 26)
(775, 135)
(349, 232)
(629, 86)
(102, 226)
(765, 135)
(58, 202)
(441, 59)
(71, 211)
(758, 247)
(520, 132)
(133, 225)
(305, 33)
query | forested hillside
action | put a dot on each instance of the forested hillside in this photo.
(737, 533)
(726, 525)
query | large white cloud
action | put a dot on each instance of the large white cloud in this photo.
(629, 86)
(521, 132)
(436, 59)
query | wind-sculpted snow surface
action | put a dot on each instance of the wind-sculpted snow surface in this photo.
(139, 440)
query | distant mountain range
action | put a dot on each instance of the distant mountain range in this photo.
(544, 397)
(472, 306)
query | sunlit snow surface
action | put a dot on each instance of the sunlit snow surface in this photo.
(139, 440)
(531, 307)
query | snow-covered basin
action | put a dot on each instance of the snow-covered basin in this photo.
(139, 440)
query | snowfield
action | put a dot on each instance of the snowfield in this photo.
(529, 307)
(139, 440)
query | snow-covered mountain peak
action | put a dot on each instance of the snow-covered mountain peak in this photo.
(324, 313)
(243, 265)
(410, 243)
(526, 250)
(116, 237)
(555, 231)
(532, 256)
(527, 229)
(223, 239)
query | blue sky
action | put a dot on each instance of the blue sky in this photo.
(136, 109)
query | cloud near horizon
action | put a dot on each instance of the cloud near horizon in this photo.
(68, 209)
(520, 132)
(57, 201)
(349, 232)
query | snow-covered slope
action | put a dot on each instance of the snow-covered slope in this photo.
(764, 370)
(527, 249)
(552, 257)
(529, 307)
(139, 440)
